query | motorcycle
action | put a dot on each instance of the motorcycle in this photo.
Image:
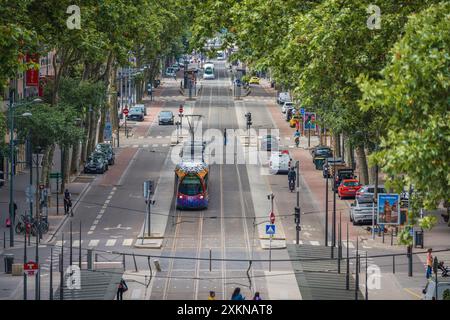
(291, 185)
(297, 141)
(445, 271)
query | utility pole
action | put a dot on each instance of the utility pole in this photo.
(25, 286)
(326, 208)
(333, 227)
(298, 227)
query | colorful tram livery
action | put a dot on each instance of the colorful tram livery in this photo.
(191, 185)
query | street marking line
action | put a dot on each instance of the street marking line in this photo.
(350, 244)
(59, 243)
(167, 137)
(165, 145)
(155, 145)
(295, 242)
(412, 293)
(102, 211)
(92, 228)
(93, 243)
(110, 242)
(105, 206)
(107, 201)
(109, 197)
(95, 222)
(127, 242)
(145, 146)
(98, 217)
(90, 232)
(314, 243)
(159, 137)
(114, 188)
(76, 243)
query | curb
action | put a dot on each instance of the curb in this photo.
(82, 193)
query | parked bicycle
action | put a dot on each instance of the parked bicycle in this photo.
(25, 224)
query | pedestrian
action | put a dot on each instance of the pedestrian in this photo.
(14, 212)
(237, 294)
(429, 263)
(257, 296)
(121, 288)
(67, 201)
(212, 295)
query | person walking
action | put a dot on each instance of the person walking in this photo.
(237, 294)
(212, 295)
(121, 288)
(67, 201)
(429, 263)
(257, 296)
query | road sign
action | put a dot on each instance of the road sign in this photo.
(270, 229)
(55, 175)
(30, 268)
(107, 132)
(125, 111)
(302, 111)
(148, 188)
(180, 109)
(272, 218)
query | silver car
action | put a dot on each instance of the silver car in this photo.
(366, 193)
(362, 213)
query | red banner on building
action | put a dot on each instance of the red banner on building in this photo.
(32, 75)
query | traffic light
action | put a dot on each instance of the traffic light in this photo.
(297, 215)
(249, 119)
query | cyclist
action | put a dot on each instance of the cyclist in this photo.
(292, 176)
(297, 137)
(67, 201)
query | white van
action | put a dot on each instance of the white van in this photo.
(429, 293)
(208, 71)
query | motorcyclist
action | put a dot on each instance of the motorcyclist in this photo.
(292, 176)
(297, 137)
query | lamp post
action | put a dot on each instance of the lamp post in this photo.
(11, 107)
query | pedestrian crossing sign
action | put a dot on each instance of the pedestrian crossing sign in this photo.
(270, 229)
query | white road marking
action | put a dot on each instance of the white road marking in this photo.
(95, 222)
(90, 232)
(167, 137)
(136, 294)
(159, 137)
(99, 217)
(314, 243)
(92, 228)
(145, 145)
(93, 243)
(295, 242)
(110, 242)
(102, 211)
(350, 244)
(141, 137)
(110, 196)
(76, 243)
(107, 201)
(155, 145)
(135, 146)
(59, 243)
(127, 242)
(165, 145)
(114, 188)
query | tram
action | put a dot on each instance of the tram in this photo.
(191, 184)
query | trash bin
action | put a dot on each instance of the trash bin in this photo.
(418, 238)
(9, 261)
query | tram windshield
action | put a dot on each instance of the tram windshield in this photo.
(190, 186)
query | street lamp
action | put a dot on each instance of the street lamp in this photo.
(11, 107)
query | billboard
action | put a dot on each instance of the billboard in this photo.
(388, 208)
(32, 74)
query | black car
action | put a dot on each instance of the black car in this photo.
(95, 165)
(107, 149)
(321, 151)
(326, 171)
(166, 117)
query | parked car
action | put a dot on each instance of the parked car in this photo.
(366, 193)
(321, 150)
(348, 188)
(165, 117)
(95, 165)
(361, 213)
(107, 149)
(170, 72)
(280, 162)
(342, 173)
(136, 114)
(142, 107)
(176, 67)
(287, 105)
(254, 80)
(269, 143)
(283, 97)
(101, 156)
(329, 163)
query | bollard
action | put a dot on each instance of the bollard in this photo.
(95, 258)
(135, 264)
(157, 265)
(410, 261)
(392, 237)
(393, 264)
(4, 239)
(383, 235)
(89, 259)
(123, 262)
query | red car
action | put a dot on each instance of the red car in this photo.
(348, 188)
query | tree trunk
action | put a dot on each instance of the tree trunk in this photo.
(337, 147)
(348, 150)
(92, 131)
(74, 163)
(84, 143)
(362, 165)
(101, 125)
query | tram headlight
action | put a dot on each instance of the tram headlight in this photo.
(201, 197)
(181, 197)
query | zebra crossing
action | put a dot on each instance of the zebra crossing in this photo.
(86, 244)
(319, 243)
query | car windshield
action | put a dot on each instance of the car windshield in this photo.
(371, 190)
(166, 114)
(208, 70)
(351, 184)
